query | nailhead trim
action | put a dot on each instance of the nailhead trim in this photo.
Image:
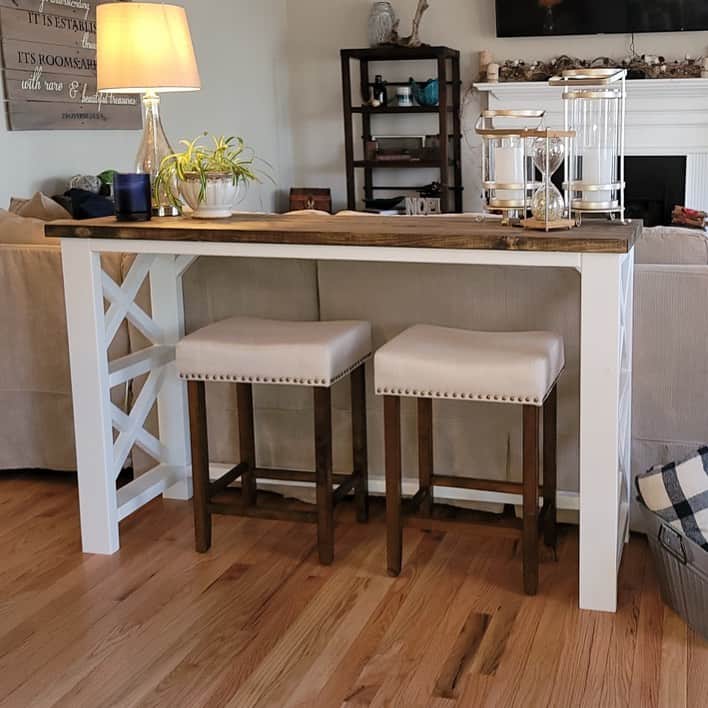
(457, 395)
(275, 380)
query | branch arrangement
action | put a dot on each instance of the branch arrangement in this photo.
(413, 39)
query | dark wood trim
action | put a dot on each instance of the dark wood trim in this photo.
(247, 440)
(360, 454)
(443, 118)
(196, 392)
(414, 504)
(480, 485)
(461, 233)
(218, 485)
(323, 474)
(348, 131)
(531, 435)
(294, 476)
(425, 453)
(385, 53)
(394, 521)
(341, 492)
(263, 511)
(550, 481)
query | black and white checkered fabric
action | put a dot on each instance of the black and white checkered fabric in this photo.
(678, 493)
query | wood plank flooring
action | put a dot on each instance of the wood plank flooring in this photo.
(258, 622)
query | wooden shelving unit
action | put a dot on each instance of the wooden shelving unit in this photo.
(448, 123)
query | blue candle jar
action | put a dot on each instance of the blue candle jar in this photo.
(133, 197)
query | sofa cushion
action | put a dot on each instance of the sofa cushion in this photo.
(672, 245)
(16, 229)
(40, 206)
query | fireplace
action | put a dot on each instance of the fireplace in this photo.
(655, 185)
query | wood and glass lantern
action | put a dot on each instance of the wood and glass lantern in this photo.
(508, 176)
(594, 107)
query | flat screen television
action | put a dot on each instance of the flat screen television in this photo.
(537, 18)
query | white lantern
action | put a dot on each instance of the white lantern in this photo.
(508, 178)
(594, 107)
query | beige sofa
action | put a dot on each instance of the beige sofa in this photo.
(36, 423)
(671, 366)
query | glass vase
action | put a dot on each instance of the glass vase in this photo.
(382, 22)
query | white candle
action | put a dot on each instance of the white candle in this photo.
(493, 73)
(509, 169)
(597, 169)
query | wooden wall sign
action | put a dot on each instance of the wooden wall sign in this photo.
(49, 69)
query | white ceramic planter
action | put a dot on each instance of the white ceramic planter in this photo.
(219, 200)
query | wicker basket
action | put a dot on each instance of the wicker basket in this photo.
(682, 568)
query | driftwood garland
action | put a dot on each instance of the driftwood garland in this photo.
(644, 67)
(413, 39)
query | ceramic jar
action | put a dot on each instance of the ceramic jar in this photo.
(382, 21)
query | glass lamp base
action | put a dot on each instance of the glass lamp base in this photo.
(154, 148)
(166, 210)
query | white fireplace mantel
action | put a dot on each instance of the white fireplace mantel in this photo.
(664, 117)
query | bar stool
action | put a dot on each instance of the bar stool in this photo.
(521, 368)
(248, 351)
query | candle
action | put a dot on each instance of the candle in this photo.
(493, 73)
(509, 169)
(133, 197)
(485, 59)
(597, 169)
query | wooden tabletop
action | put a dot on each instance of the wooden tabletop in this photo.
(454, 232)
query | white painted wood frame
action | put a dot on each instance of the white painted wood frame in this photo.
(605, 435)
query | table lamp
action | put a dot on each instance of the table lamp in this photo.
(146, 48)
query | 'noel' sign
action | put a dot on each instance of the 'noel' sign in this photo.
(49, 60)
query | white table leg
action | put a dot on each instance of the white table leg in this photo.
(168, 313)
(605, 428)
(91, 395)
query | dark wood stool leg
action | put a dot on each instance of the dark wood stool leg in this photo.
(550, 421)
(200, 464)
(247, 441)
(425, 452)
(359, 443)
(531, 436)
(323, 474)
(394, 525)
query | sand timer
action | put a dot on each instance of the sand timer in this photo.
(548, 150)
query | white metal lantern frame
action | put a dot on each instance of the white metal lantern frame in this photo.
(508, 186)
(596, 175)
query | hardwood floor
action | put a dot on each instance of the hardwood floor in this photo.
(258, 622)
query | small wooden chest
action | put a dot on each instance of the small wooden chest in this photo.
(305, 198)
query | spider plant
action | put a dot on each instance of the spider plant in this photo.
(226, 157)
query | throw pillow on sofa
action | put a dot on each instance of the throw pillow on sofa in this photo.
(40, 206)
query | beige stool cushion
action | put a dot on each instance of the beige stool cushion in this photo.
(439, 362)
(251, 350)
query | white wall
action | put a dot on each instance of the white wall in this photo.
(240, 47)
(270, 72)
(318, 29)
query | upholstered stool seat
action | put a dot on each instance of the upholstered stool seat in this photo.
(440, 362)
(522, 368)
(250, 351)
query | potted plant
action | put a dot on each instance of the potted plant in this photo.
(208, 178)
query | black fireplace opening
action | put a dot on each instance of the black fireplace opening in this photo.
(655, 185)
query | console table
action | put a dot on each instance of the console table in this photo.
(603, 253)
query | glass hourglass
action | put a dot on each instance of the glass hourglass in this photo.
(547, 203)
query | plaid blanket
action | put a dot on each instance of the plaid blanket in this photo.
(678, 493)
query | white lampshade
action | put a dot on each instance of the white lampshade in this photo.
(144, 47)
